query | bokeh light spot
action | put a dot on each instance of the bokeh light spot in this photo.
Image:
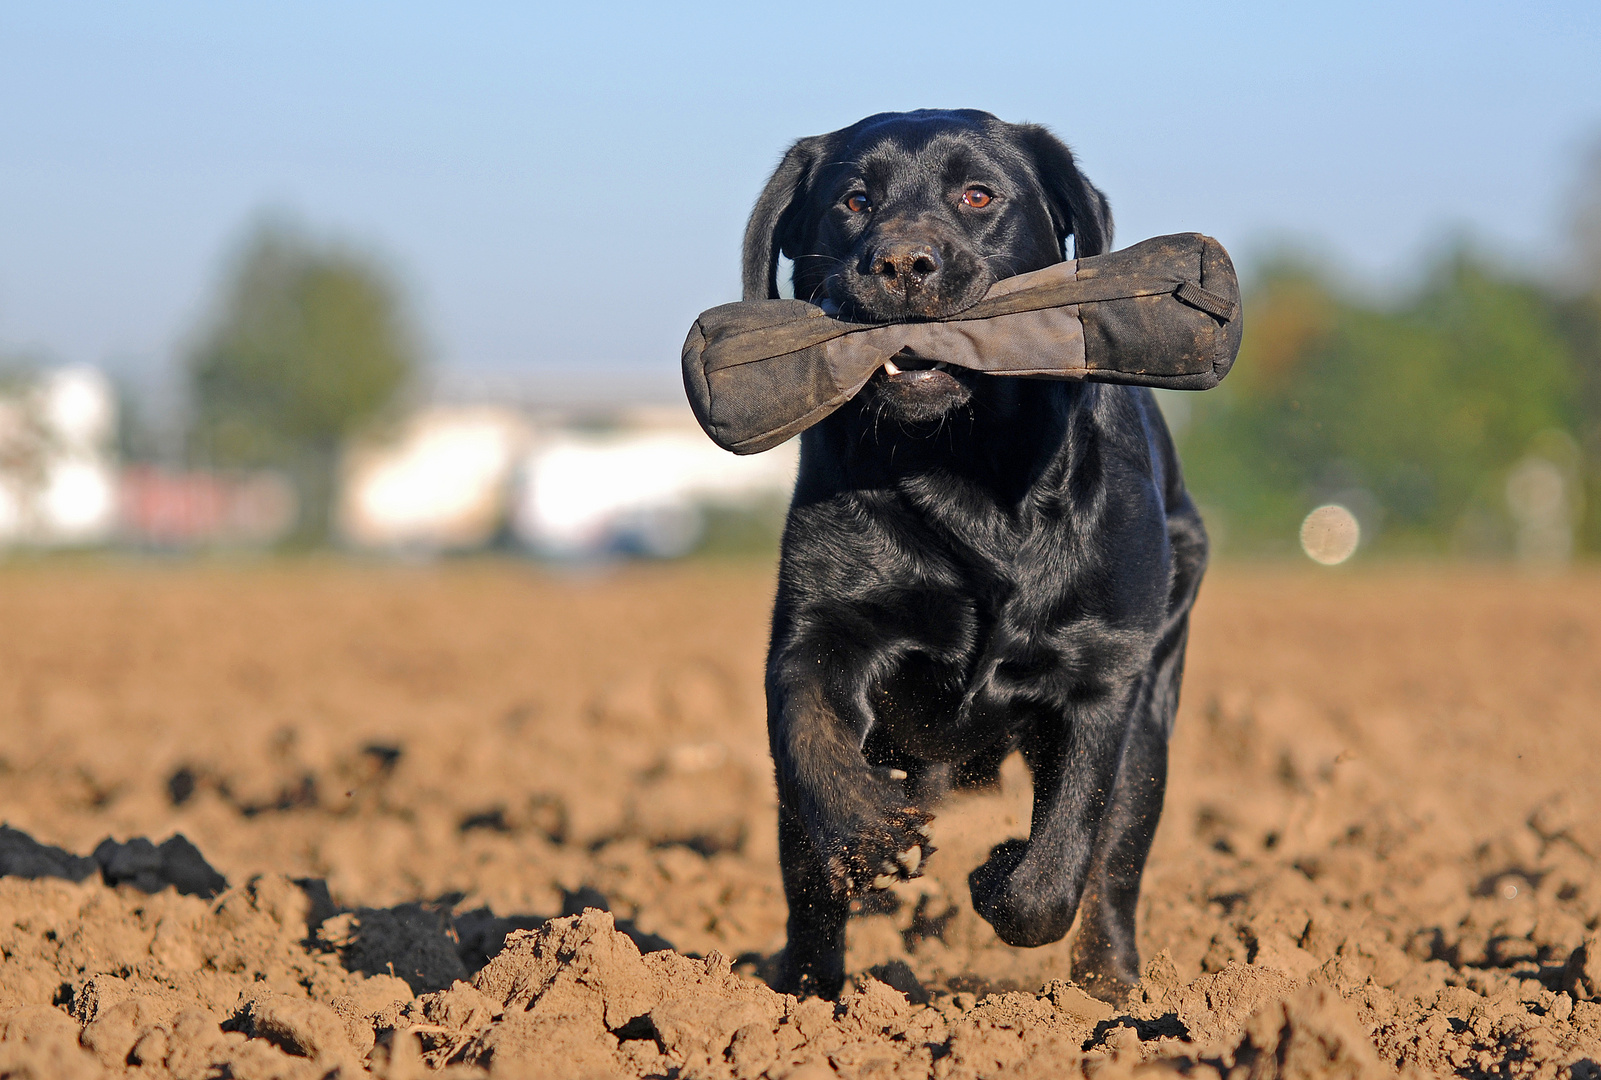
(1330, 534)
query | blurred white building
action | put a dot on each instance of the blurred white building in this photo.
(574, 484)
(561, 471)
(58, 479)
(642, 487)
(440, 482)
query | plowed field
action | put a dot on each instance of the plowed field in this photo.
(481, 817)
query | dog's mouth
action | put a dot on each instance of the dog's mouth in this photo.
(922, 388)
(906, 365)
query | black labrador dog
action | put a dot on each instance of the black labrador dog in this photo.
(971, 564)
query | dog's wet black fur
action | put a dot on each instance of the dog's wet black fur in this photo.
(972, 564)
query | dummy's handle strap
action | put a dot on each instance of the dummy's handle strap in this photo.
(1220, 308)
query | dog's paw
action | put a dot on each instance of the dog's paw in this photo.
(891, 846)
(1025, 913)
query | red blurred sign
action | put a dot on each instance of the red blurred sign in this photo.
(168, 507)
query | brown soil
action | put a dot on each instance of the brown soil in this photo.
(1380, 850)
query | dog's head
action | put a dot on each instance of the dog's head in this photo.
(906, 216)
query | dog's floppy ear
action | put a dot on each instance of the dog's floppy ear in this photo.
(773, 219)
(1077, 206)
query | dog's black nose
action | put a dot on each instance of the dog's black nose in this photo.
(906, 266)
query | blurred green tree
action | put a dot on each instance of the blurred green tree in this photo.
(1412, 416)
(310, 345)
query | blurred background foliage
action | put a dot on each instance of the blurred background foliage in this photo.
(1435, 416)
(310, 345)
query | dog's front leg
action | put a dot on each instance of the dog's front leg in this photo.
(845, 829)
(1029, 890)
(1106, 959)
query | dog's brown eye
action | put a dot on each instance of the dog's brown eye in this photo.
(977, 198)
(857, 203)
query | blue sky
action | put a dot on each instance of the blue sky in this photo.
(568, 185)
